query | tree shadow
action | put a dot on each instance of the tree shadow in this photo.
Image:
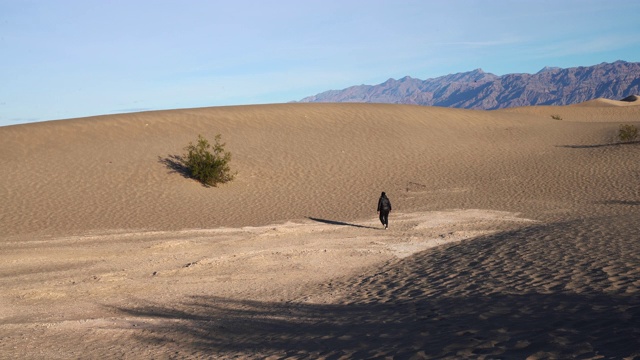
(621, 202)
(175, 163)
(598, 145)
(340, 223)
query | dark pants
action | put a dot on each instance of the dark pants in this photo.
(384, 217)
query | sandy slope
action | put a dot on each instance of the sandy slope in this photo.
(532, 219)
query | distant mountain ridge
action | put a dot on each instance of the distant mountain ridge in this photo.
(480, 90)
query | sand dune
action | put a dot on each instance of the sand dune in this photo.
(628, 101)
(513, 235)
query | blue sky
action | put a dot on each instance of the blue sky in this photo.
(73, 58)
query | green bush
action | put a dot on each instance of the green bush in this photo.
(210, 168)
(556, 117)
(628, 133)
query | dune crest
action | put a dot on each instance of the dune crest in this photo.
(628, 101)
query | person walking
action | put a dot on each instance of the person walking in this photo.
(384, 208)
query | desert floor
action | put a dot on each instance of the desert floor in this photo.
(514, 234)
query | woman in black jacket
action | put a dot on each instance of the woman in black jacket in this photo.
(384, 208)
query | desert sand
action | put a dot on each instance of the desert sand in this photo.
(514, 234)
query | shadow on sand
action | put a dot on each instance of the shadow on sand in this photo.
(598, 145)
(516, 326)
(621, 202)
(539, 291)
(340, 223)
(175, 164)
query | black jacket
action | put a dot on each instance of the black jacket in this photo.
(380, 203)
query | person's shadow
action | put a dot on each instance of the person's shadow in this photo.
(340, 223)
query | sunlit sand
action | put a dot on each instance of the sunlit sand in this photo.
(514, 234)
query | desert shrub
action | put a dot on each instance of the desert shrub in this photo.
(627, 133)
(206, 163)
(556, 117)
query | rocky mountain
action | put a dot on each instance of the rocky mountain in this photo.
(480, 90)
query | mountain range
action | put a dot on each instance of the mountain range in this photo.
(481, 90)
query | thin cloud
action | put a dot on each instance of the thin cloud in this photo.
(480, 44)
(130, 110)
(583, 46)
